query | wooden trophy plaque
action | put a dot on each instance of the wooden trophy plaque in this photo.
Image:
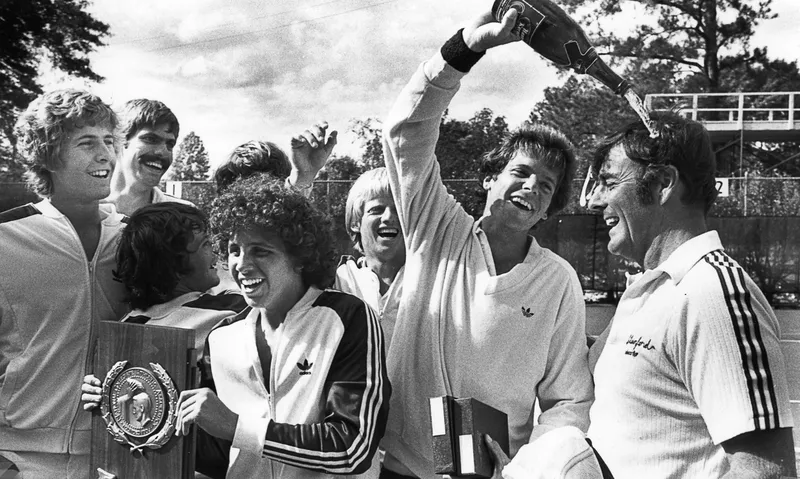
(143, 369)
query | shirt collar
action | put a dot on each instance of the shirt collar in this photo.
(160, 310)
(158, 195)
(533, 250)
(108, 212)
(47, 209)
(688, 254)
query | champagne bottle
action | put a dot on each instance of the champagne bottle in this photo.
(546, 28)
(553, 34)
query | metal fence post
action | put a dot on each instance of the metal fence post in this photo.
(745, 193)
(328, 196)
(741, 112)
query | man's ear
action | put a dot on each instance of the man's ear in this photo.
(487, 182)
(668, 184)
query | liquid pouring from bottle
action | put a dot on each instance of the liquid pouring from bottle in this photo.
(546, 28)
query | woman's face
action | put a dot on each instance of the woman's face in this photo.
(265, 273)
(202, 274)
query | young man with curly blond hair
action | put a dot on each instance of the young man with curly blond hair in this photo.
(56, 285)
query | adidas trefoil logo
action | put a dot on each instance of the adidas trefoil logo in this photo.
(304, 367)
(526, 312)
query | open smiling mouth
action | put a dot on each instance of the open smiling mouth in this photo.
(250, 285)
(388, 232)
(103, 174)
(154, 164)
(521, 204)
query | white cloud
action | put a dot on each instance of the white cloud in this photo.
(194, 67)
(235, 70)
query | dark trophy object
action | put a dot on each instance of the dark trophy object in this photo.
(555, 35)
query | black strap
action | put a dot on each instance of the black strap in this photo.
(458, 55)
(603, 467)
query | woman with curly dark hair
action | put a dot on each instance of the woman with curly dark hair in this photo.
(167, 265)
(166, 262)
(300, 378)
(160, 252)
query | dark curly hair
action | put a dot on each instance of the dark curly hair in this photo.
(250, 158)
(262, 201)
(152, 253)
(542, 142)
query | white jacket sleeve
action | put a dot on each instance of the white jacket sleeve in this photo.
(410, 136)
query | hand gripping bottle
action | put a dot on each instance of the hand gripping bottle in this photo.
(546, 28)
(555, 35)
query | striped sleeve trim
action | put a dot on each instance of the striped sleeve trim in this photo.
(752, 349)
(347, 460)
(18, 213)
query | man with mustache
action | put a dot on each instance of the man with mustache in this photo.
(150, 131)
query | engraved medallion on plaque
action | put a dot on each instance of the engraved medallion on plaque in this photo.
(139, 406)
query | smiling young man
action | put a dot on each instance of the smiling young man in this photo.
(56, 282)
(374, 226)
(690, 379)
(150, 131)
(486, 312)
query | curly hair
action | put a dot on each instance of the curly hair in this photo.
(262, 201)
(46, 123)
(540, 141)
(250, 158)
(682, 143)
(141, 112)
(153, 251)
(370, 184)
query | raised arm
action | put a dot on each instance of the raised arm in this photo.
(310, 151)
(412, 127)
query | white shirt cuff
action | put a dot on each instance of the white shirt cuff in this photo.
(250, 434)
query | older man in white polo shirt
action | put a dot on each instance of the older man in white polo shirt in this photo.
(690, 380)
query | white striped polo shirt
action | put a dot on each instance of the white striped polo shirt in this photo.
(692, 359)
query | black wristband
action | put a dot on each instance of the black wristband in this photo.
(458, 55)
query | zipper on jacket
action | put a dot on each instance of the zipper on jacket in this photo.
(271, 395)
(87, 361)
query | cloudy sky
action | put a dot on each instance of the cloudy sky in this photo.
(236, 70)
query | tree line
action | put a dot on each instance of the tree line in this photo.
(688, 46)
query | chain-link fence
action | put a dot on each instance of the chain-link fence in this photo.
(759, 223)
(768, 248)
